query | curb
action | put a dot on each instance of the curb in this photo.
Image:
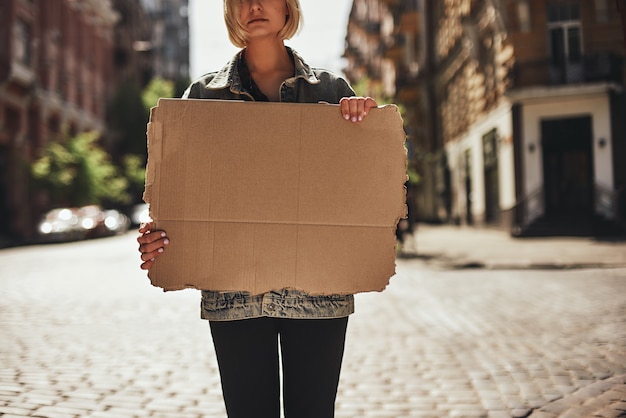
(604, 398)
(447, 263)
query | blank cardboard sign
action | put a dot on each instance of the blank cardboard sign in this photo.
(262, 196)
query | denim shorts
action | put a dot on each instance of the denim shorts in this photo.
(285, 303)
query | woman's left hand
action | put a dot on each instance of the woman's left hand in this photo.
(356, 108)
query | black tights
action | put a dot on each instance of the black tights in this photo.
(247, 355)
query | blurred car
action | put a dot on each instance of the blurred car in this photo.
(72, 224)
(140, 214)
(61, 225)
(115, 222)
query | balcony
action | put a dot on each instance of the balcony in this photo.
(394, 47)
(594, 67)
(372, 28)
(21, 74)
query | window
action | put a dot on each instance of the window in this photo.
(602, 11)
(22, 50)
(565, 40)
(523, 15)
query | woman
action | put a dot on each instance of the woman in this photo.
(246, 329)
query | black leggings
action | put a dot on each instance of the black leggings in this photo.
(247, 356)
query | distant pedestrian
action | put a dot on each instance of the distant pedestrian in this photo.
(308, 330)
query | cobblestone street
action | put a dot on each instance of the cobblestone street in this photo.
(472, 343)
(84, 334)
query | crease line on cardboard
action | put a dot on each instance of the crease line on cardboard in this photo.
(296, 267)
(257, 222)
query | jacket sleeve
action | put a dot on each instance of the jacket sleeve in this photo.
(332, 87)
(193, 91)
(343, 89)
(197, 89)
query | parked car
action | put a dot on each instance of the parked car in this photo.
(140, 214)
(72, 224)
(61, 225)
(115, 222)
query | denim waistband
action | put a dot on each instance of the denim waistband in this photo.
(285, 303)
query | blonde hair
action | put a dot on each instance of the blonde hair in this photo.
(237, 33)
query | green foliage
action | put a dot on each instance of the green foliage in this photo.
(127, 120)
(156, 89)
(135, 172)
(414, 177)
(128, 114)
(364, 87)
(78, 172)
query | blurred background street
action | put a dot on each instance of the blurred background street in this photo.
(84, 334)
(528, 140)
(510, 293)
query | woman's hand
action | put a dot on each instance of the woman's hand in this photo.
(151, 244)
(356, 108)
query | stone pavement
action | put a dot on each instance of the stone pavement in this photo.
(463, 247)
(488, 343)
(83, 334)
(466, 247)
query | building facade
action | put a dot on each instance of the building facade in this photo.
(169, 42)
(132, 53)
(55, 68)
(567, 105)
(516, 109)
(152, 40)
(62, 63)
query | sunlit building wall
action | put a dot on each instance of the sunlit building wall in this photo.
(515, 109)
(55, 74)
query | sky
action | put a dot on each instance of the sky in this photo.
(320, 42)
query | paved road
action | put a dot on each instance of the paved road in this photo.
(83, 334)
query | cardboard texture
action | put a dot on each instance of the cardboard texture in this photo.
(261, 196)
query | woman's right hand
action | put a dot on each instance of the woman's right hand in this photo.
(151, 244)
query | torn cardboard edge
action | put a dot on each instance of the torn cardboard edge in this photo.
(263, 196)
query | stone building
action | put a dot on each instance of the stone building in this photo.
(61, 64)
(370, 26)
(152, 40)
(568, 104)
(55, 72)
(169, 42)
(516, 110)
(132, 54)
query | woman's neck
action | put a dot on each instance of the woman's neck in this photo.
(264, 57)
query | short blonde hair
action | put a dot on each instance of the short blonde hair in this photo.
(237, 33)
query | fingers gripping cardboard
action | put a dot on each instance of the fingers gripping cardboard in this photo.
(262, 196)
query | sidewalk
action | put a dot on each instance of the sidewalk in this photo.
(451, 246)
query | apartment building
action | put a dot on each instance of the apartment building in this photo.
(568, 105)
(169, 42)
(516, 109)
(62, 62)
(55, 70)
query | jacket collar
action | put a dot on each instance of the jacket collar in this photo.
(229, 75)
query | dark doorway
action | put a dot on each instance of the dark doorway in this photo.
(492, 182)
(469, 217)
(5, 211)
(568, 169)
